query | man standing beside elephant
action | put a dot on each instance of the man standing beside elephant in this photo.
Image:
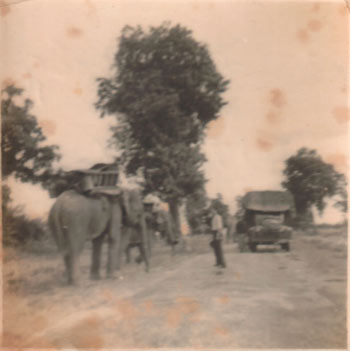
(216, 243)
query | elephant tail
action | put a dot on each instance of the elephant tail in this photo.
(57, 229)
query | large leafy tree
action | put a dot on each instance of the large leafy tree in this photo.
(164, 92)
(342, 196)
(310, 180)
(24, 157)
(197, 210)
(23, 154)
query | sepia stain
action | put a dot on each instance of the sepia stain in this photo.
(27, 75)
(341, 114)
(148, 306)
(86, 334)
(173, 317)
(338, 160)
(195, 6)
(343, 10)
(224, 299)
(188, 305)
(5, 8)
(216, 127)
(48, 126)
(277, 98)
(74, 32)
(316, 7)
(107, 295)
(238, 275)
(220, 330)
(303, 35)
(126, 309)
(314, 25)
(8, 82)
(264, 144)
(273, 117)
(91, 7)
(36, 65)
(77, 91)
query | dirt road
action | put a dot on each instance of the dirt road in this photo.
(268, 299)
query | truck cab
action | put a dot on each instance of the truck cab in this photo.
(267, 220)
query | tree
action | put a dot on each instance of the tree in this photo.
(342, 195)
(25, 158)
(239, 207)
(165, 91)
(23, 154)
(197, 211)
(310, 180)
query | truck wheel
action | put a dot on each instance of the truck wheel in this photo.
(285, 247)
(252, 247)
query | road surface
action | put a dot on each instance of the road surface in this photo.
(268, 299)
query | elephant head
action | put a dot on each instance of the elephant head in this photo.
(132, 207)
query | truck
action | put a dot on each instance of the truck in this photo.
(267, 220)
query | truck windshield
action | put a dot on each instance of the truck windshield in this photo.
(271, 217)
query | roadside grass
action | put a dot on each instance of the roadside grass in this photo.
(333, 237)
(37, 267)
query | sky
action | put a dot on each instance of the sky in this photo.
(287, 62)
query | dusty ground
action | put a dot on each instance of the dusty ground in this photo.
(268, 299)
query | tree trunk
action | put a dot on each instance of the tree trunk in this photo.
(175, 217)
(304, 215)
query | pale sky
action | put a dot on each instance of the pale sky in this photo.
(287, 63)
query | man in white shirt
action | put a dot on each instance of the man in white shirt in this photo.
(217, 232)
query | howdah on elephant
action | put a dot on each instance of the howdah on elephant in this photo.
(75, 218)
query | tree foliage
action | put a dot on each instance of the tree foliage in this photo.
(26, 158)
(310, 180)
(19, 230)
(197, 211)
(165, 91)
(342, 195)
(239, 207)
(23, 154)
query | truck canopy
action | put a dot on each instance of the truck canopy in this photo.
(268, 201)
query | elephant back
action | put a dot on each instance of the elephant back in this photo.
(76, 213)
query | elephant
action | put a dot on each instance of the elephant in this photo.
(136, 234)
(75, 218)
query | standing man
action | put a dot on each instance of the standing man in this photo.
(216, 243)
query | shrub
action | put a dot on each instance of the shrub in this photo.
(19, 230)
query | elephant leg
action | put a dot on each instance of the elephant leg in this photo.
(127, 254)
(96, 257)
(71, 261)
(115, 244)
(112, 259)
(75, 270)
(144, 255)
(149, 242)
(68, 268)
